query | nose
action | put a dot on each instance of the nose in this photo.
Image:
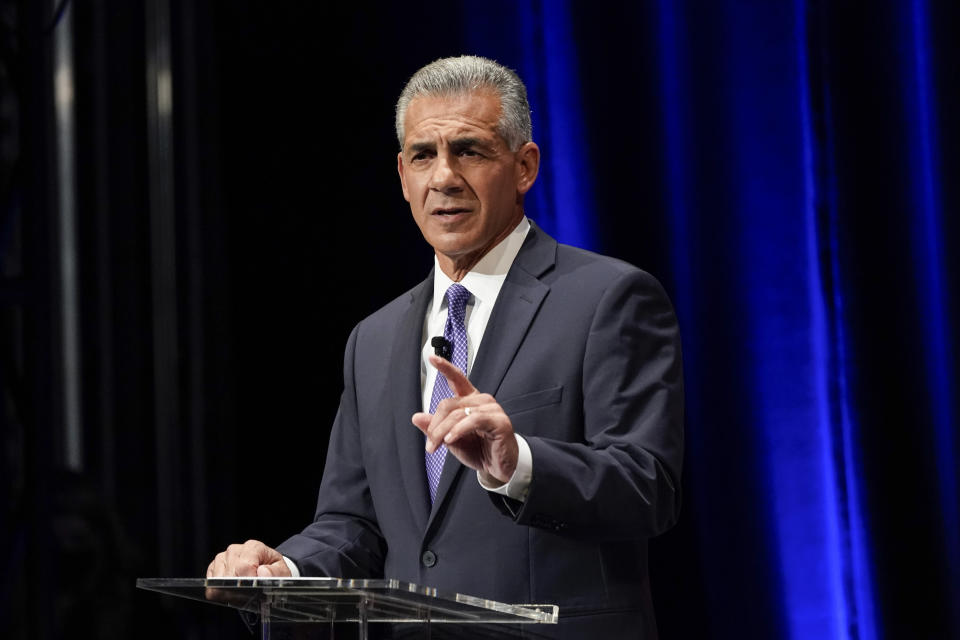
(446, 175)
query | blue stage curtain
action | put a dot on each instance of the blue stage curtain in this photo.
(789, 170)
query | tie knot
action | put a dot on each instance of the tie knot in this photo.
(457, 296)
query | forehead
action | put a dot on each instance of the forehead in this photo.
(472, 113)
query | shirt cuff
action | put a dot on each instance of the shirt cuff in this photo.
(519, 484)
(294, 569)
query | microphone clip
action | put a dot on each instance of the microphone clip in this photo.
(442, 347)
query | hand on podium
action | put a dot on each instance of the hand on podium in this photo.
(250, 559)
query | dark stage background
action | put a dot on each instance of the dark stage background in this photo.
(177, 286)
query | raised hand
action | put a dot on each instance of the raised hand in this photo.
(472, 426)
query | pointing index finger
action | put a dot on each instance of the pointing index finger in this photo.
(455, 378)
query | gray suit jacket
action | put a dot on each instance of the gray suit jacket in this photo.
(583, 353)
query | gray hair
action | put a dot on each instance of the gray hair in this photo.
(456, 76)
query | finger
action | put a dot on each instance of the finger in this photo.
(435, 426)
(497, 442)
(218, 566)
(435, 434)
(445, 407)
(476, 421)
(471, 416)
(252, 551)
(463, 420)
(277, 569)
(455, 378)
(487, 421)
(428, 423)
(422, 421)
(244, 559)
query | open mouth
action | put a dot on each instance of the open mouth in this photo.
(453, 211)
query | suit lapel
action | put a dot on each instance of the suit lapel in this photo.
(516, 307)
(405, 376)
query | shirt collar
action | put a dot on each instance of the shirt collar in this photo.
(487, 276)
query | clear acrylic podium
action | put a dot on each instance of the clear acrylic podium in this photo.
(335, 602)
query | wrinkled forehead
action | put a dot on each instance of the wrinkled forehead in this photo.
(472, 113)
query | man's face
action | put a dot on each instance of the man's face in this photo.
(464, 185)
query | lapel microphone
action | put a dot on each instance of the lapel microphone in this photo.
(442, 347)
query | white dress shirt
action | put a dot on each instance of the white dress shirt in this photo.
(483, 282)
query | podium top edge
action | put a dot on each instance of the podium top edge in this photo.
(318, 585)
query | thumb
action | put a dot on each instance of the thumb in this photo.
(422, 421)
(278, 569)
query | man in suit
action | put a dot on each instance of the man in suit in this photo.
(534, 465)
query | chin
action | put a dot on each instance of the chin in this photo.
(452, 244)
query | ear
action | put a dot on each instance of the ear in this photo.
(528, 165)
(403, 180)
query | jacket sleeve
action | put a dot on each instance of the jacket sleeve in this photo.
(623, 479)
(344, 540)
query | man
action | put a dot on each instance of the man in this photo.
(570, 414)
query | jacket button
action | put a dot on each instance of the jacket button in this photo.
(429, 558)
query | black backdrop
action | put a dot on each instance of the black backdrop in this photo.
(290, 227)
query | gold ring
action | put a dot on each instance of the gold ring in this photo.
(467, 410)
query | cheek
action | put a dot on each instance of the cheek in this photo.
(494, 188)
(412, 190)
(506, 191)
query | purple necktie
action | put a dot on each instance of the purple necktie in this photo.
(456, 333)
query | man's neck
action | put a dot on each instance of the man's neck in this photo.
(495, 263)
(456, 267)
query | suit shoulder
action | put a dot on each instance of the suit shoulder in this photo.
(387, 316)
(584, 264)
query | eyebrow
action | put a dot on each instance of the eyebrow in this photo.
(417, 147)
(455, 144)
(462, 143)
